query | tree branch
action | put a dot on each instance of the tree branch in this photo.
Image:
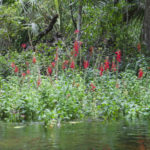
(48, 29)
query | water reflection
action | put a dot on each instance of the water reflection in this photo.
(116, 135)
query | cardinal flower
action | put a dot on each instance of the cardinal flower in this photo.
(139, 47)
(49, 70)
(101, 69)
(118, 58)
(13, 65)
(72, 65)
(93, 87)
(91, 50)
(63, 66)
(86, 64)
(140, 74)
(16, 69)
(56, 57)
(28, 71)
(34, 60)
(53, 64)
(23, 74)
(106, 63)
(66, 62)
(23, 45)
(113, 67)
(38, 82)
(76, 31)
(76, 48)
(27, 63)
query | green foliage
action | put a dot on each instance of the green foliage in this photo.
(71, 96)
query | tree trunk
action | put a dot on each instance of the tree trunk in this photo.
(79, 20)
(146, 25)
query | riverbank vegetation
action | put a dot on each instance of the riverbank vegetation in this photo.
(60, 69)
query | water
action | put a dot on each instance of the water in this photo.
(114, 135)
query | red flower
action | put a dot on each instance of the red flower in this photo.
(101, 69)
(113, 67)
(93, 87)
(16, 69)
(66, 62)
(38, 82)
(23, 74)
(49, 70)
(53, 64)
(118, 53)
(86, 64)
(34, 60)
(140, 74)
(63, 66)
(139, 47)
(56, 57)
(27, 63)
(117, 85)
(106, 64)
(23, 45)
(76, 31)
(28, 71)
(72, 65)
(76, 48)
(13, 65)
(91, 50)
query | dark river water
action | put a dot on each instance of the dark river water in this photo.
(87, 135)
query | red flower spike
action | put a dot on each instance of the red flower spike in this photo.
(53, 64)
(16, 69)
(66, 62)
(72, 65)
(13, 65)
(49, 70)
(76, 48)
(34, 60)
(23, 45)
(106, 64)
(56, 58)
(140, 74)
(117, 85)
(63, 66)
(113, 67)
(38, 82)
(93, 87)
(86, 64)
(91, 50)
(100, 73)
(23, 74)
(28, 71)
(101, 69)
(27, 63)
(76, 31)
(139, 47)
(118, 58)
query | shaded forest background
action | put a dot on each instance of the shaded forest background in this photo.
(104, 26)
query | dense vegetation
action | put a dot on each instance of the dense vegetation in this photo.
(66, 60)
